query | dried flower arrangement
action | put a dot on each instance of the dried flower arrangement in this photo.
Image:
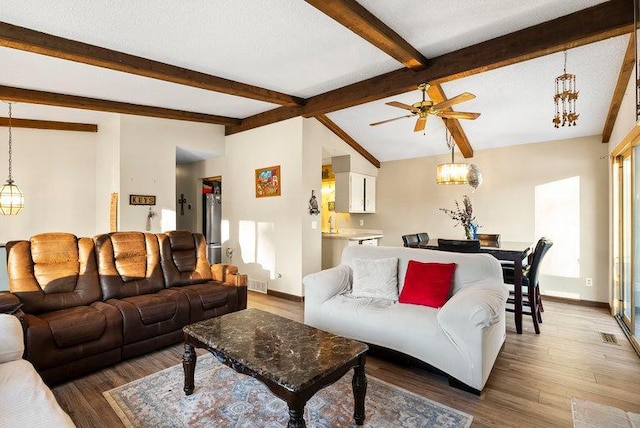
(464, 217)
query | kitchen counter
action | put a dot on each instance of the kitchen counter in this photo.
(334, 243)
(361, 236)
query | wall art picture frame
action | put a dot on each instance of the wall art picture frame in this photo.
(268, 181)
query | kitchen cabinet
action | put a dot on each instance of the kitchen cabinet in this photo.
(355, 193)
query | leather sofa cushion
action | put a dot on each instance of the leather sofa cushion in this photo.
(129, 264)
(74, 326)
(154, 308)
(53, 271)
(183, 258)
(208, 295)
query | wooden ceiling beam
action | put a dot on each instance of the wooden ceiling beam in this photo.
(352, 15)
(610, 19)
(265, 118)
(600, 22)
(618, 93)
(437, 95)
(25, 39)
(331, 125)
(362, 22)
(48, 124)
(9, 93)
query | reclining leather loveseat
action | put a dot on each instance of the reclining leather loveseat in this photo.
(89, 303)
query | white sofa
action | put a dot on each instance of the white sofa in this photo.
(25, 400)
(461, 339)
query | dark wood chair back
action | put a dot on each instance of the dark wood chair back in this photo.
(410, 240)
(423, 237)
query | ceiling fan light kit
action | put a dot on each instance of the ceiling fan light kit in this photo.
(426, 107)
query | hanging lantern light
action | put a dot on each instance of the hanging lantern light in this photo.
(11, 197)
(452, 172)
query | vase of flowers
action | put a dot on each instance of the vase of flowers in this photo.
(464, 217)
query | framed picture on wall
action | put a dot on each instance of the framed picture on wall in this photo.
(268, 181)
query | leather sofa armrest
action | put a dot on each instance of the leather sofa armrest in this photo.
(9, 303)
(228, 274)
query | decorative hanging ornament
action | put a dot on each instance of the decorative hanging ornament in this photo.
(566, 96)
(474, 176)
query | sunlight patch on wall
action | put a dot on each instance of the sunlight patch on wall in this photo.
(257, 244)
(247, 240)
(557, 216)
(168, 220)
(266, 249)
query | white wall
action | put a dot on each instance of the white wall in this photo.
(148, 165)
(314, 136)
(56, 172)
(408, 200)
(264, 233)
(107, 171)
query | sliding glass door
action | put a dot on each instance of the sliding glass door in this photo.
(626, 232)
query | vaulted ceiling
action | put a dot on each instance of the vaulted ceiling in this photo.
(250, 63)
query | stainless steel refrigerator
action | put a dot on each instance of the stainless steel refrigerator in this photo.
(212, 226)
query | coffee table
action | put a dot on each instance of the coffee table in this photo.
(292, 359)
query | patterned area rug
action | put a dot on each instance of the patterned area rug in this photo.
(587, 414)
(224, 398)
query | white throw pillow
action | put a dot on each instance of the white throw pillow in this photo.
(375, 278)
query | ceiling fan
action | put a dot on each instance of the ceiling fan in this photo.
(426, 107)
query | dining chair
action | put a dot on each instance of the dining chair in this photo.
(423, 237)
(531, 297)
(488, 239)
(459, 245)
(410, 240)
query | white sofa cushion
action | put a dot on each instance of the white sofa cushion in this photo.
(375, 278)
(26, 400)
(11, 338)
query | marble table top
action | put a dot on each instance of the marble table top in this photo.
(287, 352)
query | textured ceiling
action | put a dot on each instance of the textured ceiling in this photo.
(291, 47)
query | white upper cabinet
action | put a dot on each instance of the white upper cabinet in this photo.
(355, 193)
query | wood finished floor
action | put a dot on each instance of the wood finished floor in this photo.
(531, 384)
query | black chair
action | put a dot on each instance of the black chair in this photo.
(423, 237)
(489, 239)
(410, 240)
(459, 246)
(531, 297)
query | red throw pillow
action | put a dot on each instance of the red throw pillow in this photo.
(427, 284)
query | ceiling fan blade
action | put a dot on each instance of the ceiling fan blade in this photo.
(420, 124)
(465, 96)
(402, 105)
(389, 120)
(459, 115)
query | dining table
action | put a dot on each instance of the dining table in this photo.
(511, 251)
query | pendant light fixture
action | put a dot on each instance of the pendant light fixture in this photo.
(11, 197)
(452, 173)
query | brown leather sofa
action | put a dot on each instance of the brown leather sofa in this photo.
(89, 303)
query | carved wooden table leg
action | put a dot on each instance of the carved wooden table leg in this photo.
(296, 416)
(189, 359)
(359, 383)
